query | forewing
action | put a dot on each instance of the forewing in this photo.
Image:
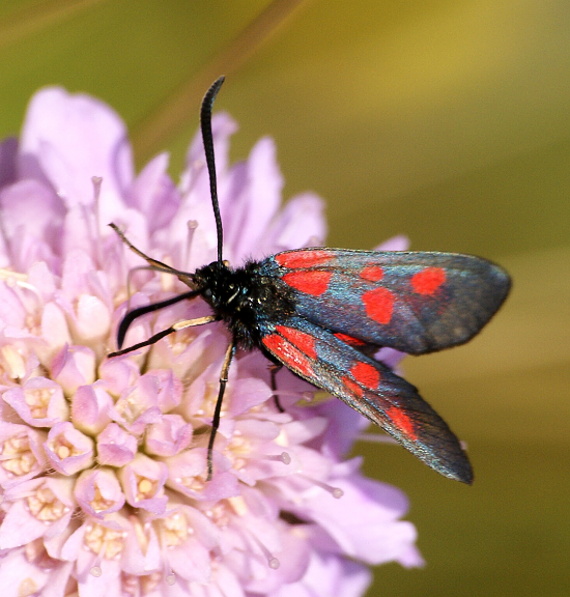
(372, 389)
(411, 301)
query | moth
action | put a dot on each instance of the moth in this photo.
(323, 313)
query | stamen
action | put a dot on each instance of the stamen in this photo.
(18, 282)
(38, 400)
(16, 455)
(272, 561)
(175, 530)
(45, 506)
(146, 488)
(104, 542)
(336, 492)
(97, 182)
(284, 457)
(191, 225)
(98, 502)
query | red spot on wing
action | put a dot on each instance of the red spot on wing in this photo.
(303, 341)
(350, 340)
(372, 273)
(379, 304)
(293, 356)
(311, 282)
(402, 421)
(303, 259)
(366, 374)
(428, 280)
(353, 387)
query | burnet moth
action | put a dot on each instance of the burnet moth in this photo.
(323, 313)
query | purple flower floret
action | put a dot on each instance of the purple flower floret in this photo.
(103, 461)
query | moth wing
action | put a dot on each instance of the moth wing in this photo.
(411, 301)
(372, 389)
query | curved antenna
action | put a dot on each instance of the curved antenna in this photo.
(139, 311)
(208, 139)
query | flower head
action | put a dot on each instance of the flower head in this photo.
(103, 461)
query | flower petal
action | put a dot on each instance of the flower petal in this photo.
(67, 139)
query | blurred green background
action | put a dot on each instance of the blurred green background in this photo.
(445, 120)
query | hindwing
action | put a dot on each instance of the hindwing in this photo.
(371, 388)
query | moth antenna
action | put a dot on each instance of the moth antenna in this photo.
(208, 139)
(139, 311)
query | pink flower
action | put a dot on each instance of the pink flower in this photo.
(103, 461)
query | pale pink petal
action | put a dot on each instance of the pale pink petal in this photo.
(68, 450)
(18, 576)
(299, 224)
(115, 446)
(22, 453)
(143, 484)
(67, 139)
(329, 575)
(31, 239)
(90, 408)
(396, 243)
(74, 366)
(98, 492)
(39, 402)
(155, 194)
(35, 508)
(169, 436)
(255, 187)
(54, 326)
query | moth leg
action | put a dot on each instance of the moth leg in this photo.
(230, 352)
(274, 368)
(179, 325)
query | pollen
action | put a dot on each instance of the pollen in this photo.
(238, 505)
(129, 407)
(191, 482)
(63, 448)
(38, 400)
(175, 529)
(13, 362)
(16, 456)
(45, 506)
(240, 448)
(103, 541)
(27, 588)
(99, 503)
(146, 488)
(218, 514)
